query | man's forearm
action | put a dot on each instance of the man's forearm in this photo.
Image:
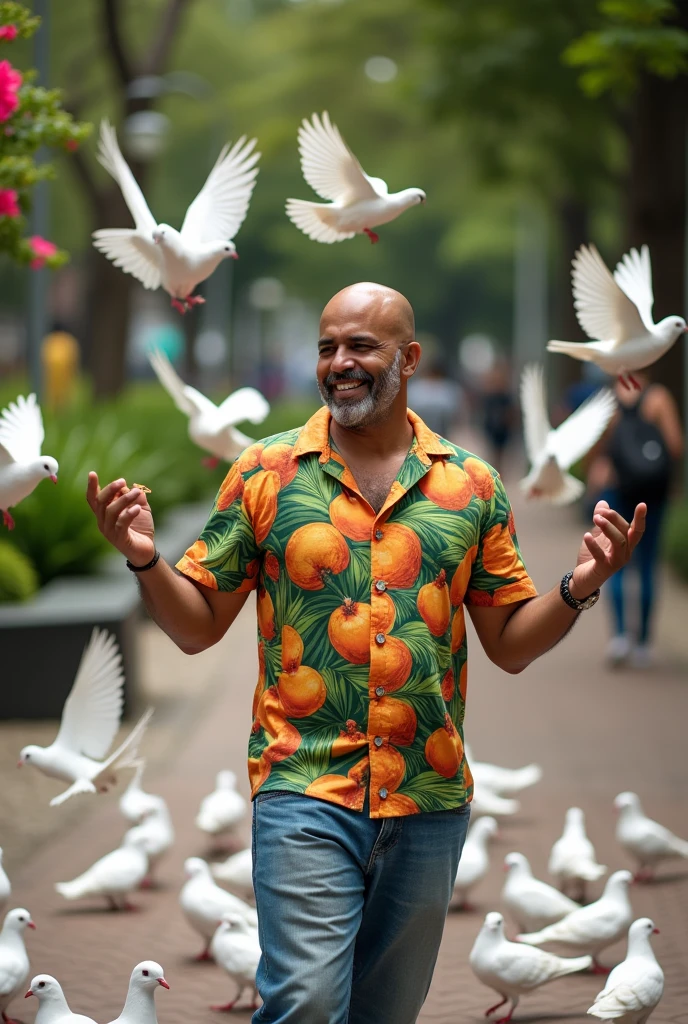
(534, 628)
(178, 607)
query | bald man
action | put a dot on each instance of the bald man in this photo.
(366, 537)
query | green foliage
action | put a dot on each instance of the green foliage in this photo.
(634, 36)
(38, 120)
(18, 576)
(676, 538)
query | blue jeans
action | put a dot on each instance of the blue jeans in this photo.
(351, 909)
(645, 558)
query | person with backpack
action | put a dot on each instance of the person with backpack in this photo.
(638, 460)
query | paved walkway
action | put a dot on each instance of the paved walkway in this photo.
(595, 732)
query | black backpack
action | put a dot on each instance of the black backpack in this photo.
(640, 457)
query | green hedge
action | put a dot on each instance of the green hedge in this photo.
(18, 576)
(676, 538)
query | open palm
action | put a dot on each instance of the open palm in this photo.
(607, 547)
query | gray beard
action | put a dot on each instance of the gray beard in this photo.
(374, 406)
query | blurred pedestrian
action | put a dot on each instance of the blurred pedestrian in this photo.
(498, 413)
(638, 457)
(438, 400)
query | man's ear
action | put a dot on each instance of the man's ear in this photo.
(411, 353)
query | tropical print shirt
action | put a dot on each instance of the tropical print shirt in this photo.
(361, 632)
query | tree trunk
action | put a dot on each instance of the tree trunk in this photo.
(572, 216)
(656, 201)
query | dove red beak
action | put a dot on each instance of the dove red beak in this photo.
(161, 981)
(20, 764)
(31, 924)
(29, 993)
(656, 931)
(235, 256)
(53, 478)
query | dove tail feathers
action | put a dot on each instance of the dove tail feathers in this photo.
(127, 755)
(578, 349)
(572, 490)
(80, 786)
(572, 965)
(534, 938)
(73, 890)
(306, 216)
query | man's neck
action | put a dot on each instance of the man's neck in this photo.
(378, 440)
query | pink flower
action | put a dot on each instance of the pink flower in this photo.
(8, 32)
(8, 203)
(10, 80)
(72, 145)
(42, 249)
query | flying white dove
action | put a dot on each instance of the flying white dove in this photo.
(139, 1007)
(592, 928)
(52, 1005)
(212, 427)
(486, 801)
(5, 885)
(572, 860)
(204, 903)
(223, 809)
(134, 802)
(358, 203)
(617, 310)
(533, 904)
(512, 969)
(114, 877)
(552, 452)
(235, 947)
(635, 986)
(645, 840)
(22, 467)
(157, 254)
(503, 781)
(475, 859)
(14, 960)
(237, 873)
(157, 836)
(90, 719)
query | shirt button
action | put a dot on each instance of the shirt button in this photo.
(380, 638)
(379, 691)
(379, 535)
(380, 585)
(383, 793)
(378, 741)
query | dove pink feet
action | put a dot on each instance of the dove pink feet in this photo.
(496, 1007)
(628, 381)
(372, 235)
(9, 523)
(644, 875)
(9, 1020)
(184, 305)
(598, 968)
(204, 955)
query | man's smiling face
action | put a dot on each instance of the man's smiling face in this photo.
(365, 332)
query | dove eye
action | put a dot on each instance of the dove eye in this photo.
(41, 984)
(145, 973)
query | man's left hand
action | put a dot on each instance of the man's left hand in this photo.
(606, 548)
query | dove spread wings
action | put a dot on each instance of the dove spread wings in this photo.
(92, 712)
(575, 436)
(613, 308)
(329, 166)
(21, 431)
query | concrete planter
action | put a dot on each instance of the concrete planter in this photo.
(41, 641)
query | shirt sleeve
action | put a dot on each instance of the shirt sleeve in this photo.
(226, 556)
(498, 576)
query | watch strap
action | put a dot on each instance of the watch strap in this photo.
(571, 601)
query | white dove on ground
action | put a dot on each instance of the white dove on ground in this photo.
(503, 781)
(358, 203)
(552, 452)
(212, 427)
(204, 903)
(52, 1005)
(134, 802)
(237, 873)
(223, 809)
(157, 836)
(512, 969)
(645, 840)
(157, 254)
(616, 311)
(14, 960)
(533, 904)
(475, 859)
(22, 467)
(139, 1006)
(90, 719)
(572, 860)
(235, 947)
(5, 885)
(487, 802)
(592, 928)
(114, 876)
(635, 986)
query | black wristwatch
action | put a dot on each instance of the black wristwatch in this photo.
(567, 596)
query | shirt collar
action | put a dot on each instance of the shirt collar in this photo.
(315, 437)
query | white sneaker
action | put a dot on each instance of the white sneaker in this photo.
(618, 650)
(643, 657)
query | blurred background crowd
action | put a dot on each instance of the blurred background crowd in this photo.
(532, 126)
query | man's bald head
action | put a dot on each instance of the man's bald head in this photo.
(382, 310)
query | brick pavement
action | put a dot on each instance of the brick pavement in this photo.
(594, 731)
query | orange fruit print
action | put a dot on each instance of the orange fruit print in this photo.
(362, 658)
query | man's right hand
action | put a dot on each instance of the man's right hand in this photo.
(125, 519)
